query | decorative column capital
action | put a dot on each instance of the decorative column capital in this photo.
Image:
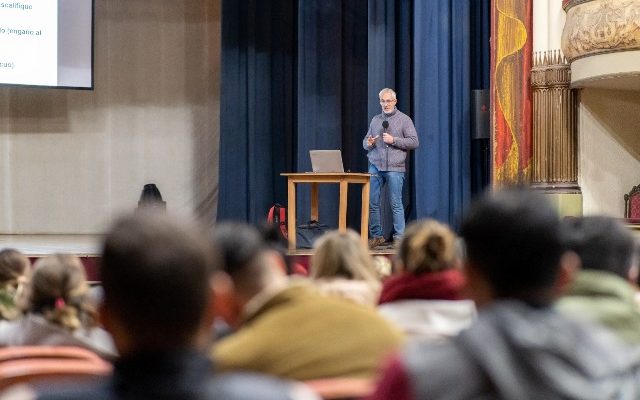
(550, 69)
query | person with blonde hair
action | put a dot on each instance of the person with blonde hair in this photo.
(57, 309)
(286, 328)
(341, 266)
(425, 298)
(14, 267)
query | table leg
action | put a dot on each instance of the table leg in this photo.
(291, 214)
(364, 216)
(314, 202)
(342, 208)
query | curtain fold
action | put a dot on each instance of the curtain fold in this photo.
(442, 107)
(332, 70)
(257, 113)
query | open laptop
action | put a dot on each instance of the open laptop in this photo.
(326, 161)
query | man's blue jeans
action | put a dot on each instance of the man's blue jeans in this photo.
(394, 181)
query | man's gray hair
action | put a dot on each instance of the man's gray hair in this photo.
(387, 90)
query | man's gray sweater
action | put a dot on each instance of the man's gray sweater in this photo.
(391, 157)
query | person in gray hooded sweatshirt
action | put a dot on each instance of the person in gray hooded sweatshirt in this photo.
(520, 347)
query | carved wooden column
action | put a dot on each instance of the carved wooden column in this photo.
(555, 129)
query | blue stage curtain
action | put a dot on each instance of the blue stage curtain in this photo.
(257, 109)
(331, 113)
(442, 108)
(293, 80)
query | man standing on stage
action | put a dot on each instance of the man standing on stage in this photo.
(391, 134)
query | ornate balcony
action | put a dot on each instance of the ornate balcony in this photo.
(601, 39)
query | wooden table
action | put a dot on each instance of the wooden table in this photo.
(315, 178)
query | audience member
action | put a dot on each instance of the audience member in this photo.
(425, 298)
(290, 330)
(341, 266)
(57, 310)
(519, 347)
(14, 268)
(602, 291)
(156, 273)
(272, 235)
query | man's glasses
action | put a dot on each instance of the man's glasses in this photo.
(387, 101)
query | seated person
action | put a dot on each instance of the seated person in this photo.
(289, 329)
(519, 347)
(602, 291)
(57, 310)
(341, 266)
(157, 275)
(14, 268)
(425, 298)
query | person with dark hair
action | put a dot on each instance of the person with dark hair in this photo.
(151, 198)
(14, 268)
(156, 272)
(289, 329)
(273, 237)
(426, 297)
(602, 291)
(519, 347)
(57, 309)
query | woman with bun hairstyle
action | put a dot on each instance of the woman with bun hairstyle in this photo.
(57, 309)
(425, 298)
(14, 269)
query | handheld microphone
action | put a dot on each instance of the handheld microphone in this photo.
(385, 126)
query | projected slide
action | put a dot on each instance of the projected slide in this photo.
(46, 43)
(29, 42)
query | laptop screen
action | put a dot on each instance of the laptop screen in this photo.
(326, 161)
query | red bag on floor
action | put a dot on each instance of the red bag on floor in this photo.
(278, 216)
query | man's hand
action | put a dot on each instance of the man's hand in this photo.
(388, 139)
(371, 140)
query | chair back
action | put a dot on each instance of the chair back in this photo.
(341, 388)
(632, 203)
(25, 364)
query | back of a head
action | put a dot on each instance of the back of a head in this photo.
(274, 240)
(427, 246)
(58, 290)
(155, 274)
(242, 247)
(342, 255)
(513, 240)
(150, 198)
(13, 265)
(602, 243)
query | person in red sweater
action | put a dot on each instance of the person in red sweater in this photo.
(425, 299)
